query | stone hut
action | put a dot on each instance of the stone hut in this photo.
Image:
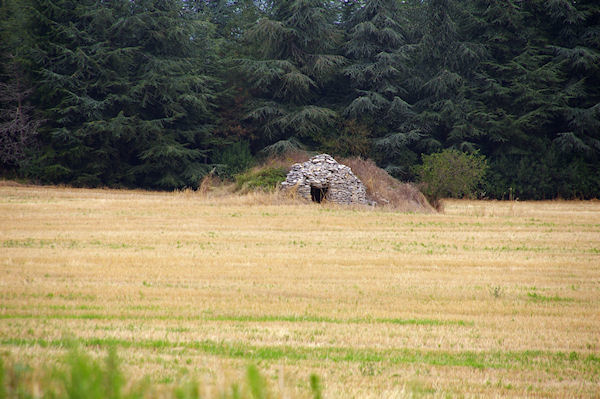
(322, 178)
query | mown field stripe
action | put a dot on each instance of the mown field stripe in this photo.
(241, 318)
(478, 360)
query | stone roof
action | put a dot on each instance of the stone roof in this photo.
(335, 182)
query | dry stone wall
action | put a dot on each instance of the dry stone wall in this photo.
(336, 181)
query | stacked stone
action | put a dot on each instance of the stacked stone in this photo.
(324, 172)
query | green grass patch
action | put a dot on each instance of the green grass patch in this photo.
(26, 243)
(422, 247)
(33, 243)
(238, 318)
(535, 297)
(520, 248)
(477, 360)
(66, 244)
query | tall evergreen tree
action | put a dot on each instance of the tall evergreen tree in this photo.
(574, 34)
(173, 93)
(375, 48)
(502, 78)
(295, 57)
(530, 97)
(379, 53)
(232, 18)
(445, 63)
(126, 89)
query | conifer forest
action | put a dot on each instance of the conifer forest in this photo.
(157, 93)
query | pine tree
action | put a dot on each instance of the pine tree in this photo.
(295, 58)
(530, 95)
(378, 52)
(69, 67)
(230, 17)
(574, 31)
(503, 84)
(445, 64)
(126, 89)
(173, 93)
(375, 48)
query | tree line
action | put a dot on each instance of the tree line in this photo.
(157, 93)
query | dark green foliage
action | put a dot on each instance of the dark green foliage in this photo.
(352, 138)
(151, 93)
(266, 178)
(283, 147)
(376, 47)
(451, 173)
(541, 176)
(234, 159)
(18, 122)
(445, 63)
(231, 17)
(294, 59)
(537, 97)
(516, 80)
(125, 90)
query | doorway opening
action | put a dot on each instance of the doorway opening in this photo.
(317, 194)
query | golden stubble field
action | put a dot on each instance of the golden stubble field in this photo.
(487, 299)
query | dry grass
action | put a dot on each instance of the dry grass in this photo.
(488, 299)
(385, 190)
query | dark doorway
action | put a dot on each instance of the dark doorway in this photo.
(318, 194)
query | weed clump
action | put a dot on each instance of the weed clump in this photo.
(496, 291)
(79, 377)
(84, 377)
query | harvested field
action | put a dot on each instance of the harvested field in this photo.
(487, 299)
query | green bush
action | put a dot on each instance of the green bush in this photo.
(266, 179)
(234, 159)
(451, 173)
